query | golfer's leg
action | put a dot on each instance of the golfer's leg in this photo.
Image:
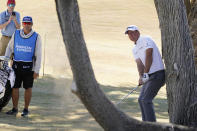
(15, 97)
(141, 104)
(142, 110)
(151, 91)
(27, 97)
(147, 104)
(149, 111)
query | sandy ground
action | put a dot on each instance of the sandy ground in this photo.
(103, 24)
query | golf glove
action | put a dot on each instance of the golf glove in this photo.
(145, 77)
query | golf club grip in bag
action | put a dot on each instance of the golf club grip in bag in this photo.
(6, 98)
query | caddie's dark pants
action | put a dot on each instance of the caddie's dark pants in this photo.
(148, 92)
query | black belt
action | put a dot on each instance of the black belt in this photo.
(160, 71)
(22, 65)
(6, 36)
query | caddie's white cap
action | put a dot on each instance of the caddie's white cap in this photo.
(131, 28)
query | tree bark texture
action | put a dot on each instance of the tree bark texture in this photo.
(188, 6)
(192, 19)
(178, 53)
(104, 112)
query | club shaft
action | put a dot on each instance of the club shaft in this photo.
(123, 98)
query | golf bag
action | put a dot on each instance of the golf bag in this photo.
(7, 78)
(7, 95)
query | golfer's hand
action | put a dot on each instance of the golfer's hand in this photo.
(145, 78)
(36, 75)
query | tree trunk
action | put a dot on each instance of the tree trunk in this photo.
(188, 6)
(192, 19)
(88, 89)
(178, 55)
(104, 112)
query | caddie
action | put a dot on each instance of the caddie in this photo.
(26, 46)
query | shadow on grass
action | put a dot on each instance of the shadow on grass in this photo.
(54, 107)
(130, 104)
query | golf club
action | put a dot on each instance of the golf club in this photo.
(124, 97)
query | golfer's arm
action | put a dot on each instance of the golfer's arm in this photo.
(148, 60)
(140, 67)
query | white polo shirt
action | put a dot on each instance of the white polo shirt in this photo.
(139, 52)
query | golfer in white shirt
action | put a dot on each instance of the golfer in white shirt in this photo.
(150, 68)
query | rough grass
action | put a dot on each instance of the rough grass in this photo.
(54, 107)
